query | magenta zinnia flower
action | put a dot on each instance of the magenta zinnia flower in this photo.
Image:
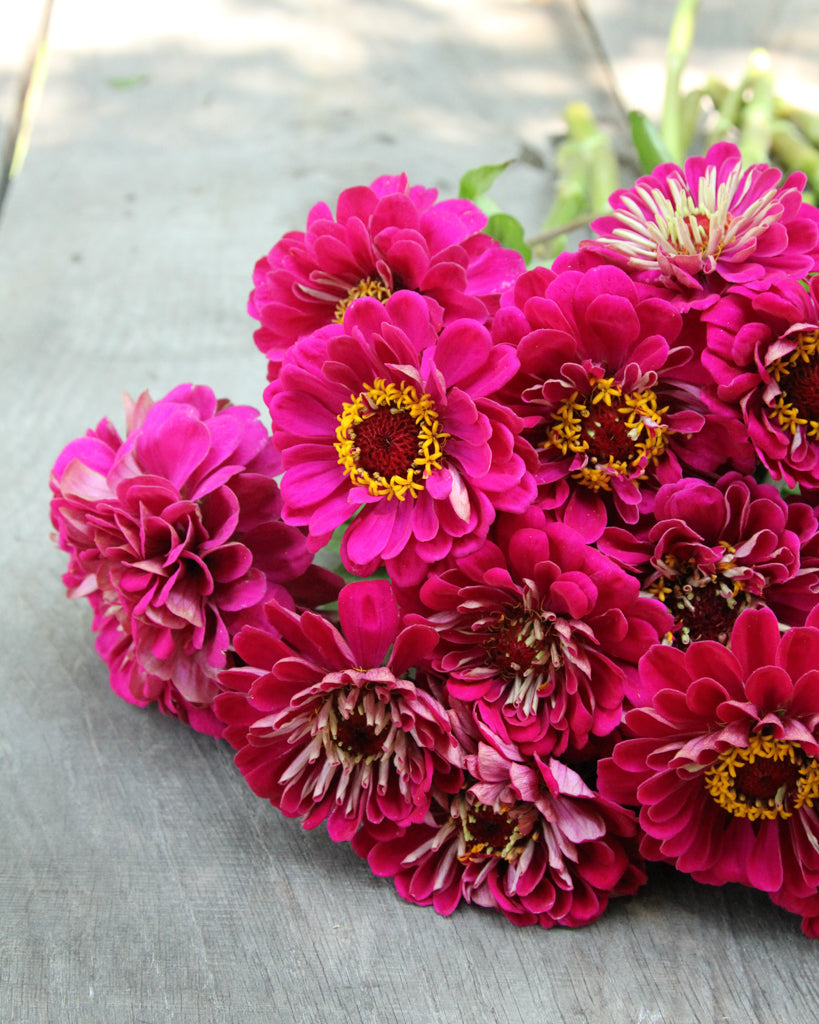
(328, 725)
(384, 419)
(541, 633)
(526, 837)
(710, 226)
(724, 760)
(174, 535)
(383, 238)
(708, 551)
(612, 397)
(763, 354)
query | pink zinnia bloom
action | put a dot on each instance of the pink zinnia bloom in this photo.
(723, 762)
(806, 906)
(327, 723)
(385, 418)
(611, 395)
(710, 226)
(541, 633)
(708, 551)
(384, 238)
(763, 354)
(526, 837)
(174, 534)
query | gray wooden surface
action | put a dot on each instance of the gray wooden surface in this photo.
(140, 880)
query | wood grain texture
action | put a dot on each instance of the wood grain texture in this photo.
(141, 882)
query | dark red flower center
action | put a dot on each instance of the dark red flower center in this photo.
(803, 389)
(358, 737)
(607, 435)
(387, 442)
(518, 640)
(704, 604)
(707, 614)
(488, 833)
(768, 779)
(764, 778)
(525, 649)
(389, 439)
(797, 374)
(616, 433)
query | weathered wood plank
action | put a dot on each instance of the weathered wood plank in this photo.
(140, 880)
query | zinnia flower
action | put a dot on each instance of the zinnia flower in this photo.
(762, 351)
(723, 762)
(541, 633)
(174, 535)
(384, 238)
(708, 551)
(526, 837)
(710, 226)
(384, 419)
(328, 725)
(612, 399)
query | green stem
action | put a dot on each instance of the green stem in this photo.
(756, 118)
(793, 151)
(728, 103)
(806, 122)
(680, 39)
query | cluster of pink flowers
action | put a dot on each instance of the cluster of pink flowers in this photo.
(575, 509)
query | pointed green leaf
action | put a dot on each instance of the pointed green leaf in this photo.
(650, 146)
(479, 180)
(509, 232)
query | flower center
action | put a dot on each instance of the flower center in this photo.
(767, 779)
(526, 651)
(373, 287)
(681, 224)
(797, 374)
(617, 433)
(690, 229)
(704, 604)
(389, 439)
(358, 737)
(489, 833)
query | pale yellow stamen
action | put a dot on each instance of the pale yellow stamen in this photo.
(373, 287)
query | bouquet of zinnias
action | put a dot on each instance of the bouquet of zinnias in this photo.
(576, 511)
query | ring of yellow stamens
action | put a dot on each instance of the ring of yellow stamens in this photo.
(413, 412)
(585, 425)
(785, 778)
(373, 287)
(789, 372)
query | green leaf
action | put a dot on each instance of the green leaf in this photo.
(650, 145)
(509, 232)
(479, 180)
